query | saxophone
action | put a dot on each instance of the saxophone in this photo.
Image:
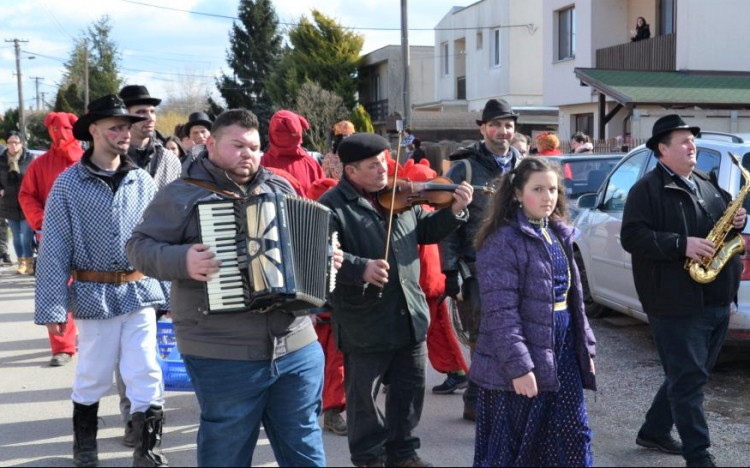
(706, 271)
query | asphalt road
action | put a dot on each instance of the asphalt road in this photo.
(36, 427)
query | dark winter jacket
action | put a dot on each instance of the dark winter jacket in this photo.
(10, 208)
(362, 322)
(159, 247)
(660, 214)
(484, 172)
(516, 335)
(641, 33)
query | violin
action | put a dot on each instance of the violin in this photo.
(437, 193)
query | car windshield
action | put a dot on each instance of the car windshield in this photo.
(582, 177)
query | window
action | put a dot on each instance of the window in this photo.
(584, 123)
(566, 34)
(666, 17)
(480, 40)
(708, 161)
(495, 62)
(622, 180)
(446, 68)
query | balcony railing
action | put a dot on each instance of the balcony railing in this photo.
(655, 54)
(378, 110)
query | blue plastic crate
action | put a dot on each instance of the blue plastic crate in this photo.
(172, 366)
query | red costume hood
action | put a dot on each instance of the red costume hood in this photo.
(285, 132)
(64, 144)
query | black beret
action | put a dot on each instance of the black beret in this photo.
(361, 146)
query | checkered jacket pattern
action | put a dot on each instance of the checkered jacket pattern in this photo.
(86, 227)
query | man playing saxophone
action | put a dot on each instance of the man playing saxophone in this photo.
(668, 215)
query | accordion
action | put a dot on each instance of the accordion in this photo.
(276, 252)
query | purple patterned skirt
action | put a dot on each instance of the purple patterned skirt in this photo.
(549, 430)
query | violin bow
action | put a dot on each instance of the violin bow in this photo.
(399, 127)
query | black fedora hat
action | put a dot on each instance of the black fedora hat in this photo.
(497, 109)
(197, 118)
(103, 108)
(134, 95)
(667, 124)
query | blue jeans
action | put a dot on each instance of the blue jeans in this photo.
(22, 235)
(236, 396)
(688, 348)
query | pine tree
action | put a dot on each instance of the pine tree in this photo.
(324, 52)
(104, 74)
(255, 48)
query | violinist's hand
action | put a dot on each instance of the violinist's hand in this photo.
(376, 273)
(462, 198)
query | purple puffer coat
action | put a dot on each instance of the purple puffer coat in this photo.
(516, 333)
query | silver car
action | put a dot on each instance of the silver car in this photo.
(606, 268)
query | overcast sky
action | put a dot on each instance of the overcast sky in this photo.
(159, 47)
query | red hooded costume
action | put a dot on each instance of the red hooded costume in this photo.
(443, 348)
(36, 186)
(285, 133)
(334, 392)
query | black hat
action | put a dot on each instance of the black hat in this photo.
(103, 108)
(197, 118)
(134, 95)
(667, 124)
(497, 109)
(361, 146)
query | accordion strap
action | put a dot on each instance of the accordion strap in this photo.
(213, 188)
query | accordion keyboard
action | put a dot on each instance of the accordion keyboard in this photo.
(219, 231)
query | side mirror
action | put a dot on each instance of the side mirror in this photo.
(588, 201)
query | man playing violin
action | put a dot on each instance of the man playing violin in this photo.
(380, 315)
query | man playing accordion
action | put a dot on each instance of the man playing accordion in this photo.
(246, 367)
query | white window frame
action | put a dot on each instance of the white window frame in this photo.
(571, 28)
(480, 40)
(446, 62)
(496, 58)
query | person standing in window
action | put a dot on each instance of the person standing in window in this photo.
(642, 30)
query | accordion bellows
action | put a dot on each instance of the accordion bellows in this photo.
(276, 252)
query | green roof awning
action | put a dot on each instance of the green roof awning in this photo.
(727, 90)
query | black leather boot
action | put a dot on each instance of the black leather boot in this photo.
(85, 426)
(147, 429)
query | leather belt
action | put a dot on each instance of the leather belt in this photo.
(107, 277)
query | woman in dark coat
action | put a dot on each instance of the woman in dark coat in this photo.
(535, 351)
(642, 30)
(14, 162)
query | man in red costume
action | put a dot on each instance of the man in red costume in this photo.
(286, 152)
(334, 392)
(443, 348)
(36, 186)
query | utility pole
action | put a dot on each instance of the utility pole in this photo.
(37, 78)
(44, 100)
(406, 57)
(21, 120)
(85, 76)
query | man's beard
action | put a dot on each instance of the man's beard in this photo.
(499, 147)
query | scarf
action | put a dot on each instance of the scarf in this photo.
(13, 161)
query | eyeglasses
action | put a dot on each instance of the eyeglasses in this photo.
(14, 143)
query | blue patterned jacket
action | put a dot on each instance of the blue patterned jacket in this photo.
(86, 227)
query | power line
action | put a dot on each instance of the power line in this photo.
(530, 26)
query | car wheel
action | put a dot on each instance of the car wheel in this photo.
(593, 310)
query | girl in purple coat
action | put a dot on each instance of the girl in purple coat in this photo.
(535, 351)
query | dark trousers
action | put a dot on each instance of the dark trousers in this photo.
(372, 437)
(688, 348)
(3, 237)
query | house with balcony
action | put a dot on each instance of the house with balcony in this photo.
(381, 89)
(608, 86)
(491, 49)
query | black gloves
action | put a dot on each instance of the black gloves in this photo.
(452, 288)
